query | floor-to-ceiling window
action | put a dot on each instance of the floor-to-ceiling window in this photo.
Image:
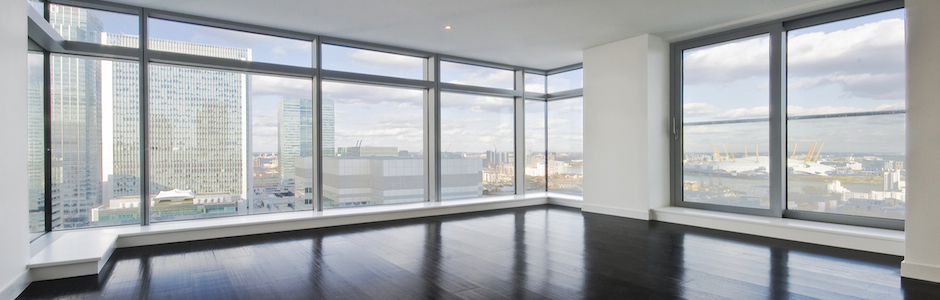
(803, 118)
(565, 131)
(845, 117)
(373, 141)
(566, 146)
(156, 116)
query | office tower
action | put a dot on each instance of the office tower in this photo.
(196, 120)
(36, 142)
(328, 139)
(196, 126)
(294, 136)
(76, 122)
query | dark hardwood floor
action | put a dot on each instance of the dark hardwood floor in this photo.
(541, 252)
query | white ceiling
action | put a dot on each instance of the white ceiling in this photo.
(542, 34)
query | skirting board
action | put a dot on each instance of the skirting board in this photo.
(16, 287)
(920, 271)
(616, 211)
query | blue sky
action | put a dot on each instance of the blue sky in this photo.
(854, 65)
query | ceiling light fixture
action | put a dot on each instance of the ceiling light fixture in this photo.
(447, 27)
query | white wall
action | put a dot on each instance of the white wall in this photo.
(922, 259)
(14, 221)
(625, 127)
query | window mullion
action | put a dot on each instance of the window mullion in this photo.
(778, 121)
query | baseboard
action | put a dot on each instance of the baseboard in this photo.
(17, 286)
(616, 211)
(920, 271)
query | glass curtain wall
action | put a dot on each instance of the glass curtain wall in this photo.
(567, 80)
(842, 119)
(477, 146)
(535, 154)
(231, 116)
(565, 146)
(95, 142)
(280, 125)
(35, 94)
(348, 59)
(465, 74)
(373, 141)
(197, 142)
(725, 111)
(846, 115)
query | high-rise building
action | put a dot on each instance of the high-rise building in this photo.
(76, 122)
(329, 128)
(36, 142)
(197, 137)
(196, 128)
(294, 136)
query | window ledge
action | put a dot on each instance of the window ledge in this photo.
(837, 235)
(79, 252)
(564, 199)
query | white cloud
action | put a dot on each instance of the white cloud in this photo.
(477, 103)
(897, 105)
(264, 129)
(479, 76)
(367, 96)
(874, 47)
(794, 110)
(728, 62)
(692, 110)
(385, 60)
(262, 85)
(745, 113)
(866, 61)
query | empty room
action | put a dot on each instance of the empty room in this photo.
(612, 149)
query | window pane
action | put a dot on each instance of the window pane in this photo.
(281, 144)
(36, 142)
(95, 142)
(535, 162)
(477, 157)
(476, 75)
(534, 83)
(197, 143)
(565, 146)
(725, 113)
(95, 26)
(171, 36)
(846, 116)
(373, 139)
(731, 172)
(569, 80)
(348, 59)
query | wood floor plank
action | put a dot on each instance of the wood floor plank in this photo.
(539, 252)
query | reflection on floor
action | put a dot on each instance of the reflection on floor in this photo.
(533, 252)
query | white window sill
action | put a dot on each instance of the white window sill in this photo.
(837, 235)
(78, 252)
